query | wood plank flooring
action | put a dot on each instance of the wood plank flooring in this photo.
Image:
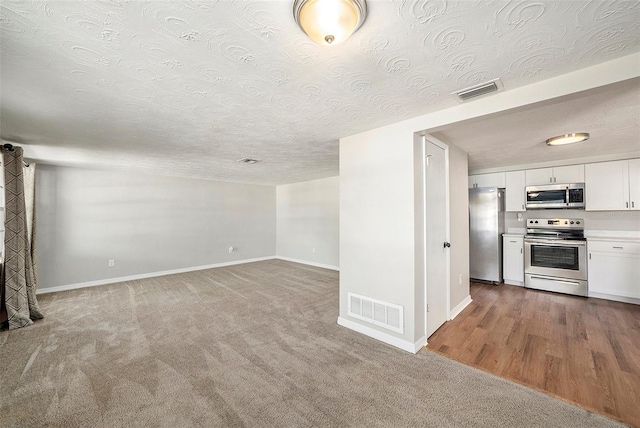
(586, 351)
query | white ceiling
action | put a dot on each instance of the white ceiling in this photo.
(188, 87)
(611, 115)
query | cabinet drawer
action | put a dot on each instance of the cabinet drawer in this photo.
(624, 247)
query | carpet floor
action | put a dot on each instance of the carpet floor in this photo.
(253, 345)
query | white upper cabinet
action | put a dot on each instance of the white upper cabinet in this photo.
(612, 186)
(536, 177)
(514, 191)
(634, 184)
(487, 180)
(556, 175)
(568, 174)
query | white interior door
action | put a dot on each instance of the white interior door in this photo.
(437, 269)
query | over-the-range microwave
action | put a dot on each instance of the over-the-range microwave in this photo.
(555, 196)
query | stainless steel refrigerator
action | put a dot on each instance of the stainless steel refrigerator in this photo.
(486, 226)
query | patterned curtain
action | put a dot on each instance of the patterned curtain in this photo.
(19, 278)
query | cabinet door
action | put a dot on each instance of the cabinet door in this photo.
(515, 191)
(634, 184)
(568, 174)
(513, 260)
(614, 274)
(607, 186)
(490, 180)
(537, 177)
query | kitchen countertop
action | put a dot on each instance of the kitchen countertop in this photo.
(611, 238)
(516, 231)
(612, 235)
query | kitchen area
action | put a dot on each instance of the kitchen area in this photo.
(555, 283)
(571, 229)
(554, 250)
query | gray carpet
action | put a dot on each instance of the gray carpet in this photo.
(253, 345)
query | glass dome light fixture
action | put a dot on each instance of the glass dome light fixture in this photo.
(561, 140)
(329, 22)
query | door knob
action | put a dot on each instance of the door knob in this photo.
(447, 245)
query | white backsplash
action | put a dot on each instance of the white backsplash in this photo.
(598, 222)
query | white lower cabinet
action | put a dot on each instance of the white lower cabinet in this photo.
(614, 269)
(513, 259)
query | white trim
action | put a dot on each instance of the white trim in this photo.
(383, 337)
(304, 262)
(623, 299)
(460, 307)
(513, 282)
(146, 275)
(419, 344)
(425, 262)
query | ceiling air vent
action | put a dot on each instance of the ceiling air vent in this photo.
(248, 160)
(477, 90)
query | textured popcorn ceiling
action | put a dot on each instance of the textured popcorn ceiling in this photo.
(188, 87)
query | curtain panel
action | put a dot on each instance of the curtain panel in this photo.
(18, 277)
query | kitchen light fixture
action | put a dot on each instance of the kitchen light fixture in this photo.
(329, 22)
(568, 139)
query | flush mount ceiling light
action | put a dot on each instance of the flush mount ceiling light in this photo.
(568, 139)
(329, 22)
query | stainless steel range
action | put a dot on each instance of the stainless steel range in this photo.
(555, 255)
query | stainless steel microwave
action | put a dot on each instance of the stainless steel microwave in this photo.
(555, 196)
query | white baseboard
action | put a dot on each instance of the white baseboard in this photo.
(512, 282)
(383, 337)
(304, 262)
(146, 275)
(616, 298)
(460, 307)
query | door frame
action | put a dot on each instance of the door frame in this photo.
(428, 138)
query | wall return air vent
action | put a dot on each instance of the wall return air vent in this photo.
(477, 90)
(386, 315)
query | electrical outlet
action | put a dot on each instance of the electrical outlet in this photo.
(313, 250)
(231, 250)
(460, 279)
(112, 263)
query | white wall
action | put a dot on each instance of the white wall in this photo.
(377, 222)
(145, 223)
(308, 220)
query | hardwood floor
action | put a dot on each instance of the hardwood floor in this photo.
(586, 351)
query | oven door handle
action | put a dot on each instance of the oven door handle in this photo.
(557, 242)
(557, 280)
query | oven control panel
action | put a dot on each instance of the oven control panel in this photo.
(555, 223)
